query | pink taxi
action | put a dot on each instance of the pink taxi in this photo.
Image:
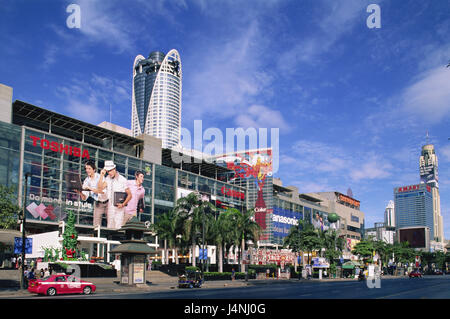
(60, 284)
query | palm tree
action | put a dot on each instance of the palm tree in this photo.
(382, 248)
(309, 238)
(333, 245)
(192, 212)
(245, 229)
(165, 228)
(292, 241)
(221, 235)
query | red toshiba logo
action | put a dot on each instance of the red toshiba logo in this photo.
(59, 148)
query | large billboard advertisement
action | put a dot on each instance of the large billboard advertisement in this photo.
(255, 166)
(416, 237)
(283, 220)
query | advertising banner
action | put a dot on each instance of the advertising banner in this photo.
(320, 220)
(319, 262)
(138, 269)
(256, 166)
(18, 245)
(283, 220)
(416, 237)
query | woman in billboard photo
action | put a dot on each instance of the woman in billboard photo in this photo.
(91, 191)
(136, 204)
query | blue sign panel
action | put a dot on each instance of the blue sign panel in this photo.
(18, 245)
(203, 254)
(283, 220)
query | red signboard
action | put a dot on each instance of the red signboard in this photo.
(58, 147)
(411, 188)
(232, 193)
(349, 200)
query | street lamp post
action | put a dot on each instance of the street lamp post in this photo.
(22, 276)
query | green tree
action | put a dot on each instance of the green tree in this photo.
(192, 211)
(383, 249)
(245, 229)
(292, 240)
(309, 239)
(9, 210)
(70, 238)
(166, 230)
(364, 249)
(403, 253)
(222, 235)
(333, 245)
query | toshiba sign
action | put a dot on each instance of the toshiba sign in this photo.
(59, 148)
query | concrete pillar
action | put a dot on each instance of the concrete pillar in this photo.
(6, 93)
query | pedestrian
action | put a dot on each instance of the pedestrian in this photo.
(111, 185)
(46, 273)
(31, 274)
(137, 196)
(90, 189)
(42, 273)
(233, 274)
(13, 262)
(116, 264)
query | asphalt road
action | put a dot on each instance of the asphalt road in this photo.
(429, 287)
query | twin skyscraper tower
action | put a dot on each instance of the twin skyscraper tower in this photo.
(156, 101)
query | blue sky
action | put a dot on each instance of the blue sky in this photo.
(353, 104)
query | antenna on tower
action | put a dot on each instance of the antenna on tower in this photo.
(428, 139)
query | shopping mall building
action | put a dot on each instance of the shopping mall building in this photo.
(47, 145)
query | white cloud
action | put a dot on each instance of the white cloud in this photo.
(338, 19)
(229, 78)
(334, 162)
(444, 154)
(428, 99)
(260, 116)
(90, 100)
(375, 168)
(101, 23)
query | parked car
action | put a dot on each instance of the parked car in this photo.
(60, 284)
(415, 274)
(438, 272)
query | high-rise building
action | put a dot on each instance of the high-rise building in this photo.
(389, 216)
(428, 164)
(414, 207)
(156, 101)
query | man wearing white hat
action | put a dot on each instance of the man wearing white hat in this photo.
(114, 182)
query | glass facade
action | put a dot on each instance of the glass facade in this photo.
(156, 108)
(219, 193)
(49, 158)
(10, 137)
(414, 207)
